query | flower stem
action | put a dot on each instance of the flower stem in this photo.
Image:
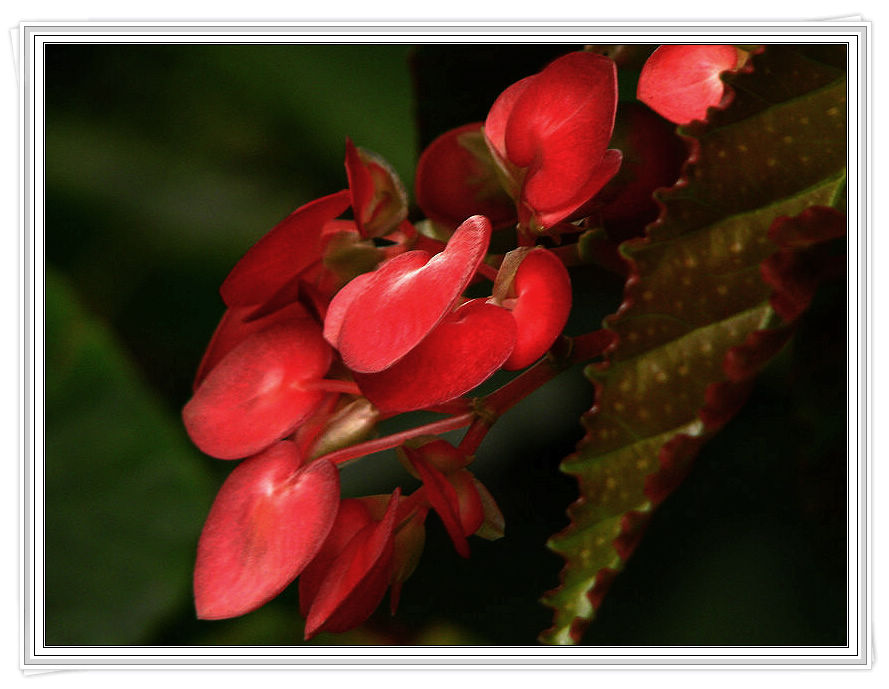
(396, 439)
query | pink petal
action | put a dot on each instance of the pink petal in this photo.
(541, 291)
(234, 328)
(406, 298)
(255, 395)
(268, 521)
(461, 353)
(680, 82)
(455, 181)
(357, 579)
(288, 248)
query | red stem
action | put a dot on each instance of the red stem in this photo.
(396, 439)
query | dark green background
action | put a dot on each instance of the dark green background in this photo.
(164, 163)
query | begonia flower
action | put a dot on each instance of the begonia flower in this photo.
(375, 320)
(260, 391)
(453, 496)
(379, 199)
(268, 521)
(352, 571)
(549, 132)
(457, 178)
(283, 253)
(459, 354)
(534, 285)
(681, 82)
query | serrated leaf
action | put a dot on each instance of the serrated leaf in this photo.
(697, 323)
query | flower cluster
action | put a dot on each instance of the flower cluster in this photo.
(334, 323)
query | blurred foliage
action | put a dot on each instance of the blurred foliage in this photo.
(164, 163)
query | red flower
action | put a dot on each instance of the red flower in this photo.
(260, 391)
(534, 285)
(268, 521)
(378, 196)
(550, 134)
(398, 330)
(350, 575)
(680, 82)
(457, 178)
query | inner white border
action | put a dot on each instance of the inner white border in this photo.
(33, 37)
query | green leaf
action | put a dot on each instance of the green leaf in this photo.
(692, 327)
(125, 493)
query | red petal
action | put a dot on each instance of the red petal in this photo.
(443, 498)
(457, 178)
(559, 129)
(461, 353)
(351, 518)
(357, 579)
(254, 396)
(288, 248)
(545, 218)
(542, 293)
(469, 502)
(234, 328)
(407, 297)
(268, 521)
(378, 196)
(680, 82)
(498, 115)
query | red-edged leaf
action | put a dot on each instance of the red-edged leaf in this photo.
(234, 328)
(457, 178)
(443, 498)
(256, 394)
(285, 251)
(539, 298)
(461, 353)
(680, 82)
(697, 321)
(405, 299)
(357, 579)
(268, 521)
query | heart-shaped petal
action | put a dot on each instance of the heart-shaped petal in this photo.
(405, 299)
(286, 250)
(540, 298)
(461, 353)
(268, 521)
(556, 126)
(357, 578)
(235, 327)
(257, 393)
(680, 82)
